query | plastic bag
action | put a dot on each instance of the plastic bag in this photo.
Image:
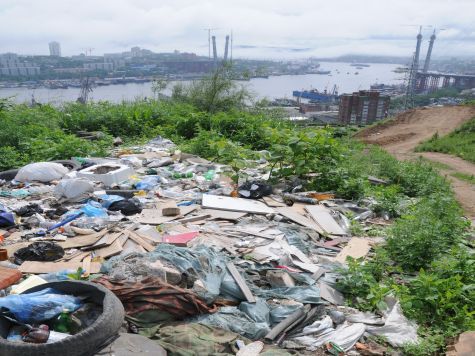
(232, 319)
(126, 206)
(94, 209)
(398, 330)
(148, 183)
(74, 190)
(281, 312)
(39, 251)
(254, 190)
(41, 171)
(303, 294)
(6, 219)
(39, 306)
(258, 311)
(107, 199)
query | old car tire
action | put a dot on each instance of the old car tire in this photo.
(85, 343)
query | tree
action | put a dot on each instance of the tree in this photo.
(217, 92)
(159, 85)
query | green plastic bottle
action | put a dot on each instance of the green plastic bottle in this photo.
(63, 322)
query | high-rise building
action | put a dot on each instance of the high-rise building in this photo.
(55, 49)
(363, 107)
(11, 65)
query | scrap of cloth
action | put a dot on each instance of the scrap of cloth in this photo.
(152, 294)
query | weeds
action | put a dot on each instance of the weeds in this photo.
(460, 142)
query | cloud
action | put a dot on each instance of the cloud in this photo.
(263, 28)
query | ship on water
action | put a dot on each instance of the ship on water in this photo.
(314, 95)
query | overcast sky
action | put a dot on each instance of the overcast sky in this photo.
(262, 28)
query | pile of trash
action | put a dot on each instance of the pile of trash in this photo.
(198, 262)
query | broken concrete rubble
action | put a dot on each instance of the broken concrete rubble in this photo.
(194, 253)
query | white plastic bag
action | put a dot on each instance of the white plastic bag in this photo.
(74, 190)
(41, 172)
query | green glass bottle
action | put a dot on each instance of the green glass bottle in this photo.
(63, 322)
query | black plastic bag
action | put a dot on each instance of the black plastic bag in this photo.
(29, 210)
(126, 206)
(254, 190)
(39, 251)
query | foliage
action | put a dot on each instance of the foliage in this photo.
(312, 154)
(360, 285)
(443, 296)
(430, 344)
(428, 229)
(463, 176)
(460, 142)
(214, 93)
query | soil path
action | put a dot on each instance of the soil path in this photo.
(401, 136)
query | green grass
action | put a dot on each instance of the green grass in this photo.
(460, 142)
(463, 176)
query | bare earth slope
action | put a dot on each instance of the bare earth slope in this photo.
(401, 135)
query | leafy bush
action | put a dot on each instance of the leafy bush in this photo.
(460, 142)
(425, 232)
(443, 297)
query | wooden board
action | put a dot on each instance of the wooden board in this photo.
(35, 267)
(224, 215)
(291, 214)
(131, 246)
(323, 217)
(113, 249)
(241, 283)
(155, 217)
(148, 247)
(355, 248)
(235, 204)
(82, 241)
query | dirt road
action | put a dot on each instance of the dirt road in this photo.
(401, 135)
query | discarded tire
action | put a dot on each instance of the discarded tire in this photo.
(85, 343)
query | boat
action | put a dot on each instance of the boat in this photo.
(359, 65)
(317, 96)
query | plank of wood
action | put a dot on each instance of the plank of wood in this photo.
(79, 257)
(148, 247)
(291, 214)
(323, 217)
(131, 246)
(224, 215)
(155, 217)
(35, 267)
(235, 204)
(113, 249)
(241, 283)
(82, 241)
(356, 248)
(193, 218)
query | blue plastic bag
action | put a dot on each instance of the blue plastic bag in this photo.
(148, 183)
(107, 200)
(39, 306)
(6, 219)
(94, 209)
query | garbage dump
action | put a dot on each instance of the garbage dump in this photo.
(178, 254)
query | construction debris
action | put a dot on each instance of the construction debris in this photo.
(169, 238)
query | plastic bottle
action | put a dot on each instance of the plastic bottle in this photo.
(210, 175)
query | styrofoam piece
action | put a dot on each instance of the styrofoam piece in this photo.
(119, 174)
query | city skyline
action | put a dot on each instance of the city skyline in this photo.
(267, 29)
